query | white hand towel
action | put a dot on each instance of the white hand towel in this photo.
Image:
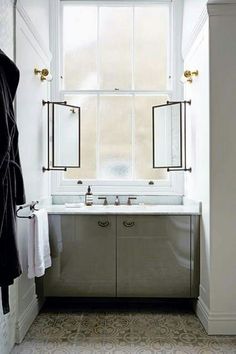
(38, 245)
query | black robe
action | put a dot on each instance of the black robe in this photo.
(11, 181)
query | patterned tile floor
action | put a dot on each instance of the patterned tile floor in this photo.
(140, 331)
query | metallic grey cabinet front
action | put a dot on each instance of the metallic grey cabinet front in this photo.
(84, 256)
(153, 256)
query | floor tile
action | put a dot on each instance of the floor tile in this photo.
(110, 332)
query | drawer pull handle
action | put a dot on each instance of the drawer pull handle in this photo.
(103, 223)
(128, 223)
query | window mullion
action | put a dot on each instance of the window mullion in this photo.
(133, 136)
(132, 50)
(98, 50)
(133, 99)
(98, 95)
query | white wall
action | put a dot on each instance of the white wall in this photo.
(38, 12)
(33, 28)
(198, 120)
(31, 52)
(7, 322)
(222, 24)
(212, 150)
(192, 11)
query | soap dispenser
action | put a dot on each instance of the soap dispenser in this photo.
(89, 197)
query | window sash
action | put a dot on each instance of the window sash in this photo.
(174, 185)
(98, 4)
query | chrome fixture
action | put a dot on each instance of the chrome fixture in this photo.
(129, 200)
(117, 200)
(32, 208)
(44, 74)
(105, 200)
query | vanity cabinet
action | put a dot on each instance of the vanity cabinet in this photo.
(153, 256)
(83, 256)
(123, 256)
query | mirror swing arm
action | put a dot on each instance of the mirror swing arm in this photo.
(73, 110)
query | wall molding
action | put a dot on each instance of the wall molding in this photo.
(24, 322)
(20, 8)
(223, 9)
(196, 30)
(216, 323)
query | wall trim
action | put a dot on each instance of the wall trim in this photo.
(216, 323)
(195, 32)
(24, 322)
(20, 8)
(222, 9)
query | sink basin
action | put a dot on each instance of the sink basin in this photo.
(116, 208)
(100, 206)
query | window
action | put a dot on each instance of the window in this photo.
(115, 63)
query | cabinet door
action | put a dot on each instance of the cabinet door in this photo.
(84, 256)
(153, 256)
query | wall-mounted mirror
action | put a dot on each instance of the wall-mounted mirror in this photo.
(63, 136)
(169, 136)
(167, 130)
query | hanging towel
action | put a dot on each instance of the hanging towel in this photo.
(38, 245)
(55, 235)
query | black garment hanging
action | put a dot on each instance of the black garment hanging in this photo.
(11, 180)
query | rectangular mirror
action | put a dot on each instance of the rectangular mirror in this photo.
(65, 136)
(167, 135)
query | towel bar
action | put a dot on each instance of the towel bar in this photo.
(32, 209)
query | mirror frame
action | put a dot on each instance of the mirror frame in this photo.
(182, 117)
(180, 134)
(53, 135)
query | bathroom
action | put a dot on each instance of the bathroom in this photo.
(126, 119)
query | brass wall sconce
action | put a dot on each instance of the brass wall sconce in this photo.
(188, 74)
(44, 74)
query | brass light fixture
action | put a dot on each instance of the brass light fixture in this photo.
(188, 74)
(44, 74)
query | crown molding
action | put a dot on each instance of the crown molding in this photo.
(221, 9)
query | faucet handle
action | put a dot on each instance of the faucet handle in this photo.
(129, 200)
(105, 200)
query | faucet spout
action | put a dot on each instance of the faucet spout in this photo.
(117, 200)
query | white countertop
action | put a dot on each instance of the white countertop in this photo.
(186, 209)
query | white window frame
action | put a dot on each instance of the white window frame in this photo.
(174, 185)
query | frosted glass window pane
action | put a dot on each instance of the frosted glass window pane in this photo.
(66, 136)
(115, 141)
(88, 109)
(151, 47)
(80, 47)
(115, 45)
(143, 137)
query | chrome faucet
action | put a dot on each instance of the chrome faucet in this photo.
(129, 200)
(117, 200)
(105, 200)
